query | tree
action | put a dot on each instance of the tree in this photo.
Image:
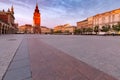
(78, 31)
(59, 31)
(105, 28)
(67, 31)
(84, 30)
(89, 30)
(116, 27)
(96, 29)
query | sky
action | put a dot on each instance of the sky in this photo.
(58, 12)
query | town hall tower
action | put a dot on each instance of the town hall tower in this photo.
(37, 21)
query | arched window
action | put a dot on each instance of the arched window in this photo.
(0, 25)
(3, 29)
(0, 28)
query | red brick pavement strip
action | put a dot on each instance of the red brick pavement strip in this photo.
(49, 63)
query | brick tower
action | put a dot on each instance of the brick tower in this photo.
(37, 21)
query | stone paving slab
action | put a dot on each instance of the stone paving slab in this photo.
(19, 68)
(101, 52)
(67, 61)
(49, 63)
(8, 46)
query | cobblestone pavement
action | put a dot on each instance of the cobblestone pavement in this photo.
(8, 46)
(101, 52)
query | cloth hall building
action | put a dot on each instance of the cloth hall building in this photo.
(7, 24)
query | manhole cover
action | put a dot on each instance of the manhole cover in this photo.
(11, 39)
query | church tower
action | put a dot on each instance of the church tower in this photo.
(37, 21)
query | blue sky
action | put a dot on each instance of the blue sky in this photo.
(56, 12)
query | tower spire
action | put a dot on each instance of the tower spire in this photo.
(8, 10)
(12, 9)
(36, 3)
(37, 9)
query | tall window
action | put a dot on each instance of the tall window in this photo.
(113, 17)
(0, 27)
(119, 17)
(98, 21)
(103, 20)
(109, 18)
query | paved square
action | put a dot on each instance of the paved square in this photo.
(8, 46)
(65, 57)
(101, 52)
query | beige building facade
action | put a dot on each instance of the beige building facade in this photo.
(27, 28)
(45, 30)
(90, 22)
(108, 18)
(70, 29)
(67, 28)
(58, 28)
(82, 24)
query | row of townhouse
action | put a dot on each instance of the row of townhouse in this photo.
(67, 28)
(108, 18)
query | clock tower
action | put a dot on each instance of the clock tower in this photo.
(36, 21)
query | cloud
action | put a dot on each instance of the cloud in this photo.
(55, 12)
